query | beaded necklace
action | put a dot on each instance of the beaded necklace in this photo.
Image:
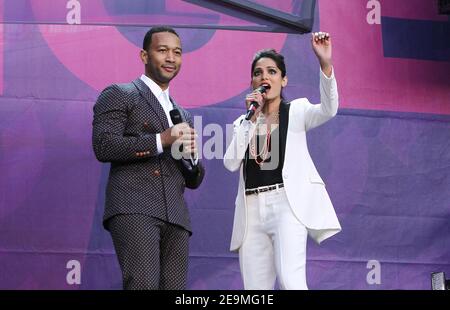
(262, 124)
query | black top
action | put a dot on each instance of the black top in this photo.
(275, 175)
(269, 172)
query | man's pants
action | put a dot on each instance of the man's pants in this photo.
(274, 245)
(152, 254)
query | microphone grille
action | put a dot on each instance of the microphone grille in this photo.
(263, 88)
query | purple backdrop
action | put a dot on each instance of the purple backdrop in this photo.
(385, 157)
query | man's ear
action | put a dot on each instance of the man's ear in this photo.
(284, 81)
(144, 57)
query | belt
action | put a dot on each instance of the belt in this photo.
(263, 189)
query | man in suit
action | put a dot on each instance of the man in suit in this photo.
(145, 211)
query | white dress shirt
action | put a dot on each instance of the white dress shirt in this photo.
(163, 98)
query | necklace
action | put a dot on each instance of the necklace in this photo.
(263, 125)
(263, 154)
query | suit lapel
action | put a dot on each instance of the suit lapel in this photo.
(153, 102)
(284, 123)
(176, 106)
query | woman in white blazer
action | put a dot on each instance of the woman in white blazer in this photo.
(281, 198)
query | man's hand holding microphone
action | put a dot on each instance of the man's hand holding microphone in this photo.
(181, 138)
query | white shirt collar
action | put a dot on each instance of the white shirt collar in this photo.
(155, 89)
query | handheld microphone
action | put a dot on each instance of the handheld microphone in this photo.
(176, 118)
(254, 105)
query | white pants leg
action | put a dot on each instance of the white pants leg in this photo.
(289, 242)
(256, 257)
(275, 244)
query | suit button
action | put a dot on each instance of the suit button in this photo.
(156, 173)
(145, 124)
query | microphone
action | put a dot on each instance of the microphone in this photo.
(176, 118)
(254, 105)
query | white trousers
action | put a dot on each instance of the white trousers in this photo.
(274, 245)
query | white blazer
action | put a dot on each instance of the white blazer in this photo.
(304, 187)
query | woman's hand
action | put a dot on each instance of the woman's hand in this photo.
(321, 44)
(257, 97)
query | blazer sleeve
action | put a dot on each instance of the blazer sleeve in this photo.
(242, 132)
(110, 143)
(193, 176)
(317, 114)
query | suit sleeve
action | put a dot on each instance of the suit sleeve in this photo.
(317, 114)
(242, 132)
(110, 142)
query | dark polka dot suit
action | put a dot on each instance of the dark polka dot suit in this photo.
(145, 210)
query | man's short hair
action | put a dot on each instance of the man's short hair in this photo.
(148, 36)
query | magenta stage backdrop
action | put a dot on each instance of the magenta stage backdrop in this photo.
(385, 158)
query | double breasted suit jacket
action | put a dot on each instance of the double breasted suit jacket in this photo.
(304, 187)
(127, 118)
